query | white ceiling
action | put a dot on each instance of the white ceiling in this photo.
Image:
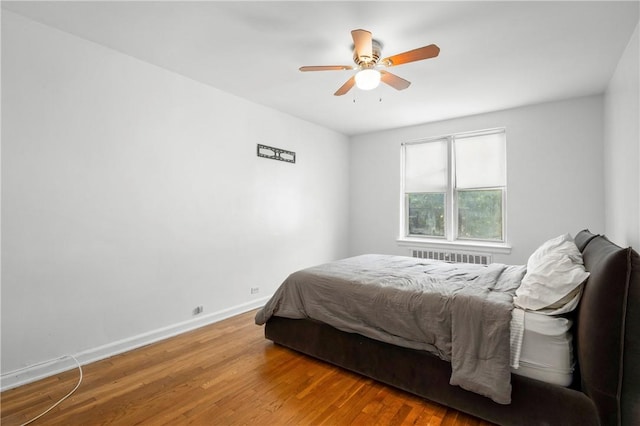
(494, 55)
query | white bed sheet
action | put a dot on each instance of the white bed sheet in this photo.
(542, 347)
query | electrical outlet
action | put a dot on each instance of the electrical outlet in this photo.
(255, 290)
(198, 310)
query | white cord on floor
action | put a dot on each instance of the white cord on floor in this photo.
(64, 397)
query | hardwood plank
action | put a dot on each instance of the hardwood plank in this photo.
(226, 374)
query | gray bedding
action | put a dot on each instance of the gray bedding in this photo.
(459, 312)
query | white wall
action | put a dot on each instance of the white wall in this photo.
(555, 177)
(131, 195)
(622, 149)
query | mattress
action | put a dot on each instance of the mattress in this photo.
(545, 350)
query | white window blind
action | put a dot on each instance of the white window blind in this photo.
(426, 167)
(480, 161)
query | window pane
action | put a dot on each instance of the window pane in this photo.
(480, 214)
(426, 214)
(425, 168)
(481, 161)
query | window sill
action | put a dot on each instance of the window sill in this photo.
(469, 246)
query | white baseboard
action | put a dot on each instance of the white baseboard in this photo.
(41, 370)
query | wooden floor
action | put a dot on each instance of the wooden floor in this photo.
(222, 374)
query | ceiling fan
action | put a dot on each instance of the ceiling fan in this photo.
(366, 55)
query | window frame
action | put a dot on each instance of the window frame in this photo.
(451, 222)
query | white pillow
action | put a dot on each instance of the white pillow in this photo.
(554, 271)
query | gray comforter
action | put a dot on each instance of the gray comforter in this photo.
(460, 312)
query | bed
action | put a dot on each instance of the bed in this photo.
(599, 384)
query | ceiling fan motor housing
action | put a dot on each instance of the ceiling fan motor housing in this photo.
(366, 62)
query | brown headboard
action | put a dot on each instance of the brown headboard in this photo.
(608, 329)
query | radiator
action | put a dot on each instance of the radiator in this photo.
(453, 256)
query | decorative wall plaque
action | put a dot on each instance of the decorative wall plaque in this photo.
(276, 153)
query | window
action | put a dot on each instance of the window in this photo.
(454, 187)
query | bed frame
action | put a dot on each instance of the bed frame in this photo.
(606, 385)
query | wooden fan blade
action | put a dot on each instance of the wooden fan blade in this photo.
(346, 86)
(418, 54)
(394, 81)
(363, 44)
(326, 68)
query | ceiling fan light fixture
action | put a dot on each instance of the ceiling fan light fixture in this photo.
(366, 55)
(367, 79)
